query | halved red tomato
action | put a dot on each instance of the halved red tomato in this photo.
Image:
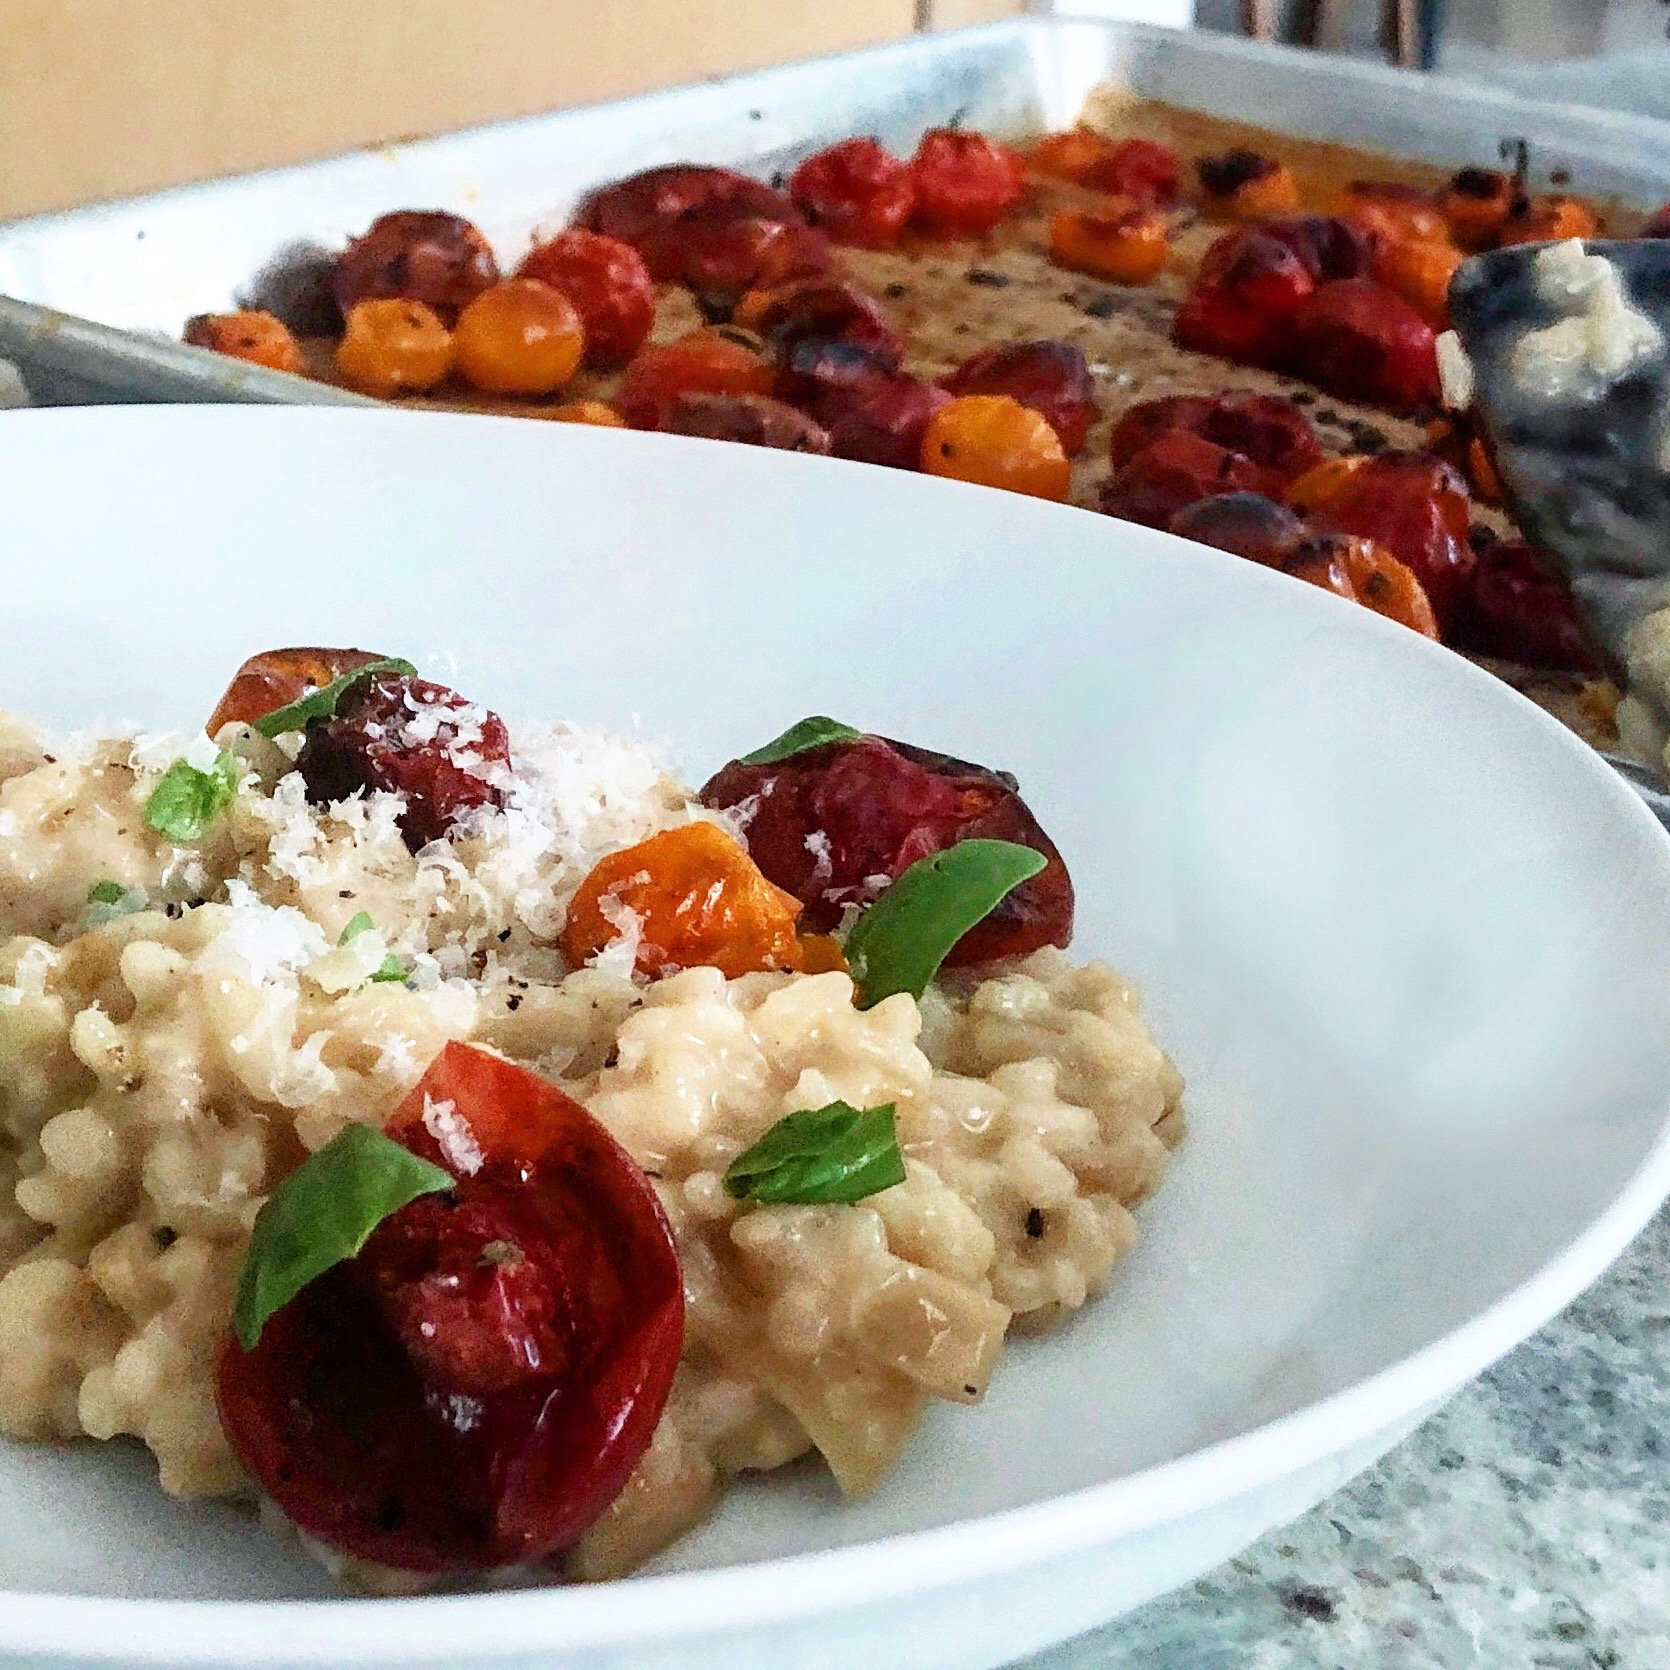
(476, 1386)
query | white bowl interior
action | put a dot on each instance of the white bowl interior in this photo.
(1409, 942)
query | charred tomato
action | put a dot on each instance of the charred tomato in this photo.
(1052, 378)
(421, 255)
(475, 1387)
(870, 411)
(1517, 607)
(443, 755)
(834, 824)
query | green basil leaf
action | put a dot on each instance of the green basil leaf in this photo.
(898, 944)
(391, 968)
(106, 893)
(187, 800)
(833, 1153)
(359, 923)
(323, 702)
(809, 733)
(322, 1214)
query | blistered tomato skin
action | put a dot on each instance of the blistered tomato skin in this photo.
(1364, 572)
(252, 335)
(1244, 524)
(1175, 471)
(1267, 430)
(277, 677)
(871, 412)
(1244, 297)
(747, 420)
(1052, 378)
(475, 1388)
(420, 255)
(698, 900)
(856, 192)
(642, 206)
(1247, 185)
(405, 736)
(965, 183)
(819, 310)
(828, 822)
(1476, 205)
(1414, 505)
(608, 284)
(1358, 340)
(712, 361)
(1518, 608)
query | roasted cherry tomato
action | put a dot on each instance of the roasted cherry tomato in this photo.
(420, 255)
(1175, 470)
(1244, 298)
(251, 335)
(608, 284)
(1364, 572)
(722, 255)
(995, 441)
(1476, 205)
(443, 755)
(748, 419)
(644, 204)
(390, 346)
(1518, 608)
(475, 1387)
(856, 192)
(1539, 220)
(821, 310)
(1358, 340)
(1123, 241)
(828, 823)
(1140, 169)
(1414, 505)
(1244, 524)
(1420, 273)
(596, 412)
(1388, 209)
(277, 677)
(1247, 186)
(696, 900)
(1266, 429)
(872, 413)
(1052, 378)
(965, 183)
(717, 360)
(1330, 246)
(1659, 225)
(520, 337)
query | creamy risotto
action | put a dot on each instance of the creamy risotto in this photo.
(187, 1013)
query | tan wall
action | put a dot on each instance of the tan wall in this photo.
(104, 97)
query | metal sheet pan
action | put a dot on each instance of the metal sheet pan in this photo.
(92, 302)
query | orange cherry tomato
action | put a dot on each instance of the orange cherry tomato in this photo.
(699, 901)
(277, 677)
(598, 412)
(608, 284)
(391, 346)
(252, 335)
(1123, 242)
(1364, 572)
(1476, 205)
(1323, 483)
(520, 337)
(994, 440)
(717, 360)
(1420, 272)
(1074, 155)
(1391, 210)
(1243, 185)
(1540, 220)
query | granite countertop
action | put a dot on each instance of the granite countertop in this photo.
(1526, 1526)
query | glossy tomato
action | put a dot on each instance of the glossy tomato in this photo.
(608, 284)
(856, 192)
(965, 183)
(830, 821)
(476, 1386)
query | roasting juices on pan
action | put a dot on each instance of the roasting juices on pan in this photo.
(476, 1145)
(1234, 341)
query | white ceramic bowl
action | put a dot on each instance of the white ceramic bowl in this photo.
(1408, 939)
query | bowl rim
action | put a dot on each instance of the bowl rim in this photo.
(353, 1631)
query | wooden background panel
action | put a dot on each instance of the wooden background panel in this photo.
(104, 97)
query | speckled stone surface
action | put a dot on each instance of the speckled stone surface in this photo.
(1524, 1527)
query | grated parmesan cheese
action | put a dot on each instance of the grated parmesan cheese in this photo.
(441, 1120)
